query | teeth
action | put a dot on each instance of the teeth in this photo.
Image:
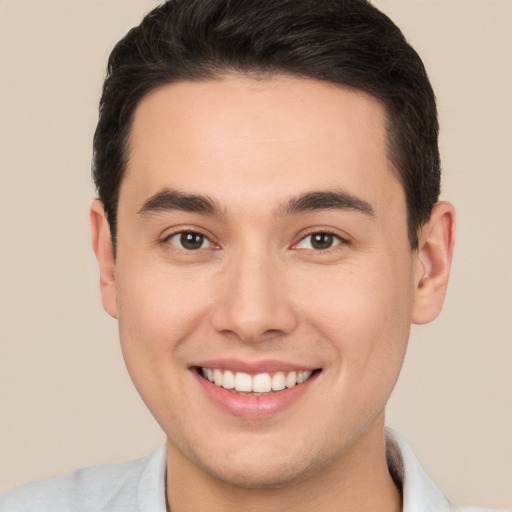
(278, 381)
(228, 381)
(259, 383)
(217, 377)
(262, 383)
(243, 382)
(291, 379)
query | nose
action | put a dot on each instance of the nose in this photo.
(253, 301)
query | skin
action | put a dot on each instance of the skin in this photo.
(257, 289)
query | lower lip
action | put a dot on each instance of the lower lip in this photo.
(254, 406)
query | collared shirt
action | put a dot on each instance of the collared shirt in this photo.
(139, 486)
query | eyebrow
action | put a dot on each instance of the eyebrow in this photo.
(327, 200)
(167, 200)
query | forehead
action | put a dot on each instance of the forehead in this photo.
(270, 137)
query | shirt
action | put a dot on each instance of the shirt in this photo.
(139, 486)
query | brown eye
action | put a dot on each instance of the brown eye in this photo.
(189, 240)
(319, 241)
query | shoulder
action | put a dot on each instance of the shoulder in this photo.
(420, 494)
(109, 487)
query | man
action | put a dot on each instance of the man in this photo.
(267, 229)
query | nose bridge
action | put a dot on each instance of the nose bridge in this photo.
(254, 303)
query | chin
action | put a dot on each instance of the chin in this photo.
(265, 469)
(262, 476)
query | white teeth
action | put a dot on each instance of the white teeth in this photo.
(303, 376)
(243, 382)
(229, 380)
(291, 379)
(262, 383)
(259, 383)
(278, 381)
(217, 377)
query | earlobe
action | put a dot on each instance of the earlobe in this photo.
(103, 249)
(435, 251)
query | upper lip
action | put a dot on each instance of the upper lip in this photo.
(253, 367)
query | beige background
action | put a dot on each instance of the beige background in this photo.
(65, 398)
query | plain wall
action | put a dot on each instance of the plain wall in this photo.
(65, 397)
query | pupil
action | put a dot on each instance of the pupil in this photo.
(321, 240)
(191, 240)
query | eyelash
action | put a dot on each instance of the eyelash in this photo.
(333, 241)
(205, 241)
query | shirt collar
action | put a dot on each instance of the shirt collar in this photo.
(151, 492)
(420, 494)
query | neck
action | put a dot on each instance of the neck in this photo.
(357, 480)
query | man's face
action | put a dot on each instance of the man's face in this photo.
(262, 232)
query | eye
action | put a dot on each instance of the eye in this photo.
(320, 241)
(189, 240)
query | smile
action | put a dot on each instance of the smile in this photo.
(241, 382)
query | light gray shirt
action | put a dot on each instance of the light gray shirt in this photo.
(139, 486)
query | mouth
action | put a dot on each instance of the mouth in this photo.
(256, 384)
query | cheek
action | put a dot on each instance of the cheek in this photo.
(365, 313)
(156, 311)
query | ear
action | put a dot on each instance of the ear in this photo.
(103, 248)
(432, 270)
